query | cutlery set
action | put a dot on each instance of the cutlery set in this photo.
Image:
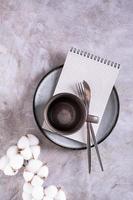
(84, 92)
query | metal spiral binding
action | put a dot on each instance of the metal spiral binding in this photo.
(94, 57)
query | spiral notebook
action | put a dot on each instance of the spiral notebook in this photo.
(100, 74)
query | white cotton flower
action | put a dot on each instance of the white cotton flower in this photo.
(47, 198)
(34, 165)
(26, 196)
(35, 151)
(37, 192)
(60, 195)
(16, 162)
(33, 140)
(27, 188)
(26, 153)
(8, 171)
(23, 142)
(37, 181)
(3, 162)
(43, 171)
(13, 150)
(51, 191)
(28, 175)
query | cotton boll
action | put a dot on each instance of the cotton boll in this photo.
(16, 162)
(13, 150)
(35, 151)
(37, 193)
(33, 140)
(43, 171)
(60, 195)
(51, 191)
(28, 176)
(8, 171)
(26, 196)
(3, 162)
(37, 181)
(34, 165)
(26, 153)
(47, 198)
(27, 188)
(23, 142)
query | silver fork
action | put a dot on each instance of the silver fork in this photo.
(82, 96)
(81, 93)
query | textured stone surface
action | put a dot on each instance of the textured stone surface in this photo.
(35, 36)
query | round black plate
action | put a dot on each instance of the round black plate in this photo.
(44, 92)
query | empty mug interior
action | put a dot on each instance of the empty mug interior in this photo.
(66, 113)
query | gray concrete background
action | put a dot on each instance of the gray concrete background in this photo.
(35, 36)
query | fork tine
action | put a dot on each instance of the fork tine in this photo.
(80, 90)
(83, 94)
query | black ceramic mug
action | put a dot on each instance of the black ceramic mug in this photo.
(65, 113)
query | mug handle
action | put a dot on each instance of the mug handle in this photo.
(92, 119)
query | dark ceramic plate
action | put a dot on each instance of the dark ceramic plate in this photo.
(44, 92)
